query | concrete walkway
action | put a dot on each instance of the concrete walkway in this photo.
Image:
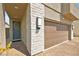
(69, 48)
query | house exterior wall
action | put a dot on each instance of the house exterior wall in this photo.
(24, 33)
(37, 38)
(76, 28)
(52, 14)
(39, 10)
(56, 6)
(23, 29)
(65, 8)
(33, 38)
(75, 11)
(26, 29)
(2, 29)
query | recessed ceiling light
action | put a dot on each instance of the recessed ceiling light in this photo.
(15, 7)
(15, 16)
(63, 18)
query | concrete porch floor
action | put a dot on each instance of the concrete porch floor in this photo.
(18, 49)
(69, 48)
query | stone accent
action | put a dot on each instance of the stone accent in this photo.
(37, 36)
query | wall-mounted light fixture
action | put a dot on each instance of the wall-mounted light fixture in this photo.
(38, 22)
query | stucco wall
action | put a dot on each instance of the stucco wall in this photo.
(37, 36)
(2, 29)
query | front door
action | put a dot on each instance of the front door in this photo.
(16, 31)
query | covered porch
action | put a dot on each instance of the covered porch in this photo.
(16, 16)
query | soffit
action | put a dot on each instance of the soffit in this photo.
(15, 10)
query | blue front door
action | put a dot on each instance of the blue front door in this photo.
(16, 31)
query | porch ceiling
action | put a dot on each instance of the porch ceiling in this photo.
(15, 10)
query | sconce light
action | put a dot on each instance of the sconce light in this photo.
(38, 23)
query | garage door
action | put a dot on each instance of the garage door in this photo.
(55, 33)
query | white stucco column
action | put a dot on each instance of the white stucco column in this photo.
(37, 35)
(2, 29)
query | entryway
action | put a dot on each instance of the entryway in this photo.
(16, 31)
(55, 33)
(17, 15)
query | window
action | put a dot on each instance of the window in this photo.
(7, 20)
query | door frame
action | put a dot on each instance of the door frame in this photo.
(20, 32)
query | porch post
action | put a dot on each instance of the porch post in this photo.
(2, 29)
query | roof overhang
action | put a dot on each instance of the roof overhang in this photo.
(15, 10)
(70, 16)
